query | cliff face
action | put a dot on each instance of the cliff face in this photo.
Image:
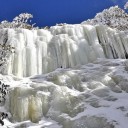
(42, 51)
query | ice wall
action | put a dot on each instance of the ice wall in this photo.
(41, 51)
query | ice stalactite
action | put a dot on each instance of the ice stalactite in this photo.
(24, 105)
(42, 51)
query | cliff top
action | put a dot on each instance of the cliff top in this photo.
(113, 17)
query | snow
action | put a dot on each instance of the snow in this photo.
(90, 95)
(114, 17)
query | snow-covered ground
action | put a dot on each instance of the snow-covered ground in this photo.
(94, 95)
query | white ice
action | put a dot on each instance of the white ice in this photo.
(67, 85)
(89, 96)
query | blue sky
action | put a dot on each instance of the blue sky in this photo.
(50, 12)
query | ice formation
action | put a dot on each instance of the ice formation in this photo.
(89, 96)
(42, 51)
(67, 83)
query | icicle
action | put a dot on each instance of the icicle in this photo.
(42, 51)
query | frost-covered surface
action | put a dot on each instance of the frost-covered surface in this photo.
(89, 96)
(21, 21)
(42, 51)
(113, 17)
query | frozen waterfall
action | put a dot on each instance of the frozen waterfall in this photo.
(42, 51)
(77, 94)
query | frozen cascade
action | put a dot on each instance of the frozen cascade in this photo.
(42, 51)
(87, 96)
(67, 95)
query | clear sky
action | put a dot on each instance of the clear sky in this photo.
(50, 12)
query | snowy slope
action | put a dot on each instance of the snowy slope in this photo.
(89, 96)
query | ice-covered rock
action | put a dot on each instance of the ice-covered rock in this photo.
(42, 51)
(68, 83)
(88, 96)
(28, 104)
